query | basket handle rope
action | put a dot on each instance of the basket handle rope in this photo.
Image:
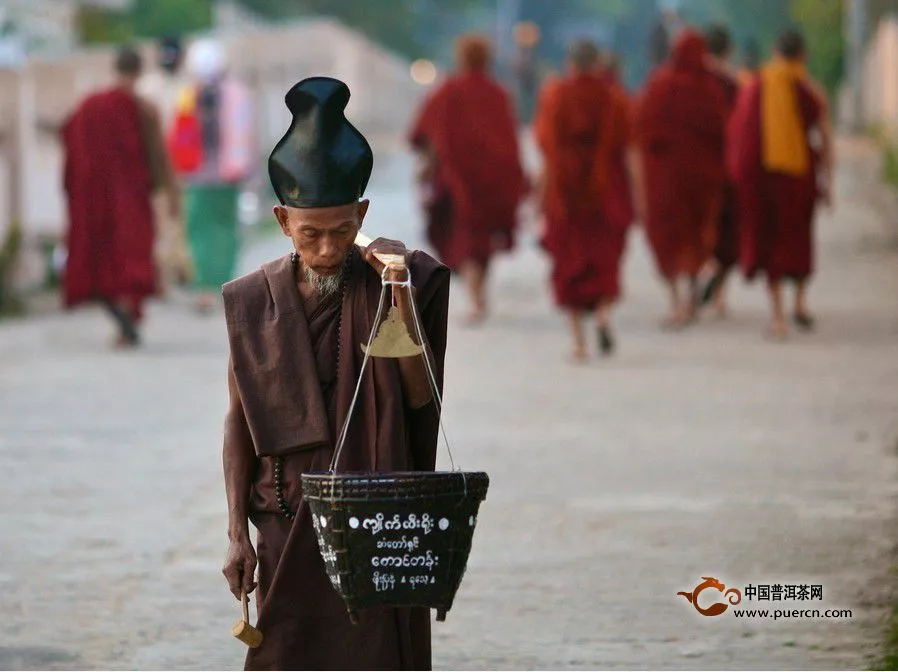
(431, 377)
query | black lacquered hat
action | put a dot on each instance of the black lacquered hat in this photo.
(322, 160)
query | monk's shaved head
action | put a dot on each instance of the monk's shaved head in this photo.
(583, 55)
(790, 44)
(719, 43)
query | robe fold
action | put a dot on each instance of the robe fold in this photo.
(293, 376)
(726, 250)
(776, 211)
(468, 124)
(680, 128)
(583, 130)
(108, 180)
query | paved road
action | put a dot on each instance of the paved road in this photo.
(706, 453)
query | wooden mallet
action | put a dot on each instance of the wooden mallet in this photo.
(242, 630)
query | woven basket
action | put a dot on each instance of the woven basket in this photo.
(395, 539)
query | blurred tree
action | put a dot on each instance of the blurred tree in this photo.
(154, 18)
(821, 22)
(146, 18)
(99, 26)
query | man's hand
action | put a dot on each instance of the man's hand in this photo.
(385, 246)
(240, 567)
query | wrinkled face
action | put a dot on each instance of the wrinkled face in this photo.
(322, 237)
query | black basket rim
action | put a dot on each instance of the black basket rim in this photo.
(391, 475)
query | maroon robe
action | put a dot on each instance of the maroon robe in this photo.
(776, 210)
(294, 376)
(469, 126)
(583, 130)
(109, 185)
(680, 127)
(726, 251)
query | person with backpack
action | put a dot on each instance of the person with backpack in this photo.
(212, 146)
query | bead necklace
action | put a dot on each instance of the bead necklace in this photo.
(279, 461)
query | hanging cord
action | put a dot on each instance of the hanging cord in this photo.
(431, 377)
(358, 385)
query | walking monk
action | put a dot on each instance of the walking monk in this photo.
(294, 329)
(468, 135)
(780, 175)
(582, 128)
(680, 128)
(114, 160)
(726, 251)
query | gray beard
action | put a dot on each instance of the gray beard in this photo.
(326, 286)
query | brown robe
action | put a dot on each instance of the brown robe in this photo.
(295, 376)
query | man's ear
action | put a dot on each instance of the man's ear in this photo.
(281, 214)
(362, 210)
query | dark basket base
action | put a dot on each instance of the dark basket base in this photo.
(395, 540)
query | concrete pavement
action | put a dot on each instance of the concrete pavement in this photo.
(614, 486)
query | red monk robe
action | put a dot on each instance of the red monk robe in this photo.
(468, 125)
(680, 128)
(726, 250)
(108, 183)
(618, 194)
(583, 131)
(776, 210)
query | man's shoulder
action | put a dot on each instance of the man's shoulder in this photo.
(248, 298)
(245, 283)
(422, 261)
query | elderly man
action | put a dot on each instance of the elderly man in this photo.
(295, 328)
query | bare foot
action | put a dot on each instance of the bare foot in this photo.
(777, 331)
(122, 342)
(679, 318)
(475, 318)
(204, 304)
(578, 357)
(672, 321)
(804, 321)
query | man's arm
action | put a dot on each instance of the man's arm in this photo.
(239, 461)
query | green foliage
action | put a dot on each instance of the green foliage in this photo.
(146, 18)
(821, 22)
(155, 18)
(890, 165)
(98, 26)
(10, 303)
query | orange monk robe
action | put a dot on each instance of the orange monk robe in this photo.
(680, 128)
(582, 128)
(776, 208)
(469, 125)
(540, 132)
